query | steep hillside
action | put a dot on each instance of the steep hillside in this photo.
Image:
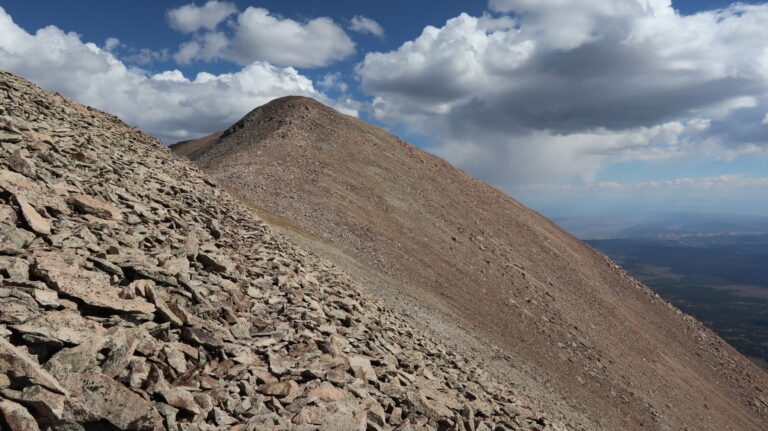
(135, 294)
(583, 332)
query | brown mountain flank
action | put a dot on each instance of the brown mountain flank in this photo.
(560, 320)
(137, 295)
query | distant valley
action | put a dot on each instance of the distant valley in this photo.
(710, 266)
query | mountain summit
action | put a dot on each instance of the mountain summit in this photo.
(556, 319)
(137, 295)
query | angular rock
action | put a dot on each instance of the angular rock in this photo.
(375, 413)
(280, 389)
(16, 310)
(154, 273)
(47, 405)
(361, 367)
(181, 399)
(21, 164)
(102, 398)
(12, 237)
(169, 413)
(91, 287)
(47, 298)
(162, 307)
(75, 359)
(17, 184)
(107, 266)
(176, 360)
(17, 364)
(222, 419)
(121, 349)
(67, 326)
(5, 381)
(14, 267)
(216, 262)
(205, 402)
(345, 421)
(88, 205)
(17, 417)
(199, 337)
(34, 220)
(335, 345)
(326, 392)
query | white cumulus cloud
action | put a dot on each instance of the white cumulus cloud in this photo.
(263, 36)
(362, 24)
(190, 18)
(332, 81)
(111, 43)
(168, 104)
(562, 88)
(258, 35)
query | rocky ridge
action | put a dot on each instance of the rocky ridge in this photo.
(135, 294)
(486, 274)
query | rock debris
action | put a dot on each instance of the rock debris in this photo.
(135, 294)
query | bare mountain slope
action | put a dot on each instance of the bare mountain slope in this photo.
(579, 325)
(134, 294)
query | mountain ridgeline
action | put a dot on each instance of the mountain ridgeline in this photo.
(466, 263)
(137, 295)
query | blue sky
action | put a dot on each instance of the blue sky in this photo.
(576, 107)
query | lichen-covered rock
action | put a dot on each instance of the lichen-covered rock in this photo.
(18, 364)
(91, 287)
(35, 221)
(101, 398)
(17, 417)
(89, 205)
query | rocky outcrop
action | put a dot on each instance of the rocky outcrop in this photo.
(135, 294)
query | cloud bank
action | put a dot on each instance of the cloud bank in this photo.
(166, 104)
(559, 89)
(718, 183)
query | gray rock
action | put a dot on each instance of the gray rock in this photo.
(361, 367)
(199, 337)
(88, 205)
(280, 389)
(91, 287)
(16, 364)
(17, 417)
(105, 399)
(216, 262)
(181, 399)
(34, 220)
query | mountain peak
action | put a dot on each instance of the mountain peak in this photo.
(138, 295)
(284, 112)
(477, 263)
(295, 102)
